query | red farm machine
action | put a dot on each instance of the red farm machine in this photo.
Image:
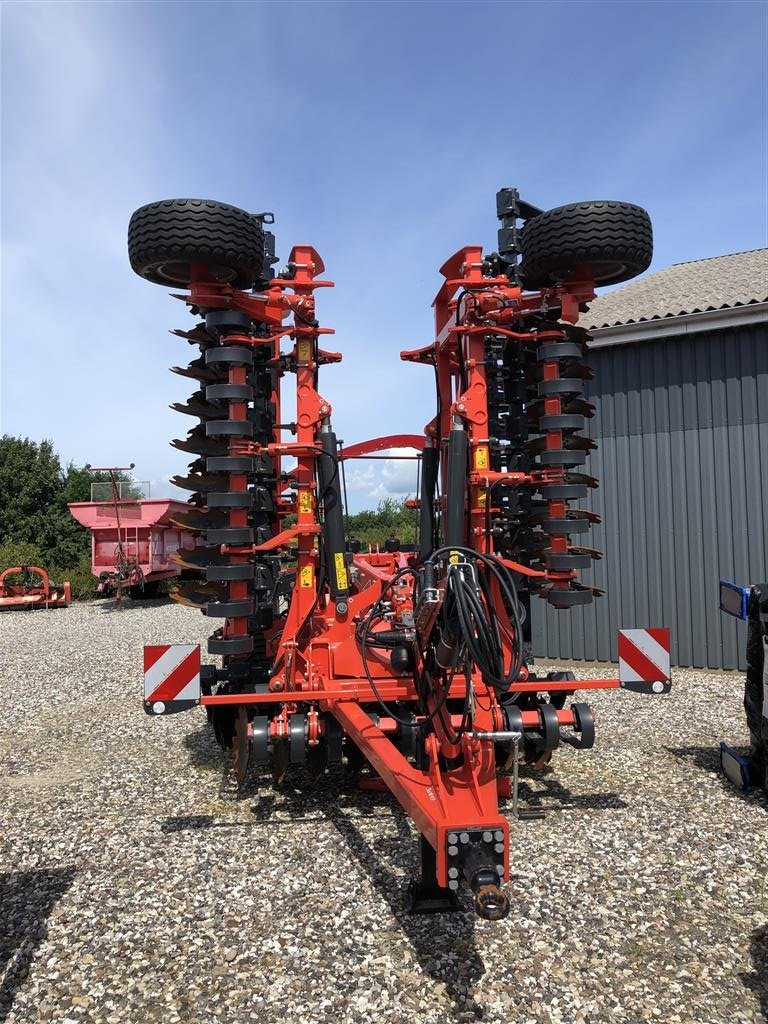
(414, 661)
(135, 541)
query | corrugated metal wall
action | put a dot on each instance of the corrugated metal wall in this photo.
(682, 429)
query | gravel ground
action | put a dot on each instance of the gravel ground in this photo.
(135, 891)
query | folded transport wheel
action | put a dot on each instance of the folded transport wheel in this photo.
(605, 240)
(166, 238)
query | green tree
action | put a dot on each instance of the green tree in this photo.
(34, 493)
(391, 518)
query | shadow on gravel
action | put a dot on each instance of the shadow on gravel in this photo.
(708, 759)
(551, 795)
(109, 606)
(757, 980)
(442, 944)
(204, 751)
(428, 934)
(26, 901)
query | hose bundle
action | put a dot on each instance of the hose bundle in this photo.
(469, 616)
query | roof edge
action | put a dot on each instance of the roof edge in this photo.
(688, 323)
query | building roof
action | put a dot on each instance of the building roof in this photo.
(721, 282)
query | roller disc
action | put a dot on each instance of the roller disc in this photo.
(260, 739)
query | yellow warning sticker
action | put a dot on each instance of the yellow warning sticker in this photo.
(305, 351)
(454, 558)
(307, 576)
(481, 457)
(481, 498)
(305, 501)
(341, 571)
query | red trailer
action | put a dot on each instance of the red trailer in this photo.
(132, 540)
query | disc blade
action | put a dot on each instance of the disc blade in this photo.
(582, 478)
(198, 482)
(279, 760)
(196, 405)
(197, 594)
(199, 558)
(199, 519)
(241, 746)
(592, 552)
(197, 336)
(573, 442)
(197, 370)
(317, 760)
(196, 443)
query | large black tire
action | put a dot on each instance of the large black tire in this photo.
(166, 238)
(606, 240)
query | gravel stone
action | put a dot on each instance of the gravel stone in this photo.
(135, 889)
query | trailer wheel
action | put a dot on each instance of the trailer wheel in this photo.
(608, 240)
(166, 238)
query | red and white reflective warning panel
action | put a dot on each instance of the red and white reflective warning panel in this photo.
(644, 662)
(171, 678)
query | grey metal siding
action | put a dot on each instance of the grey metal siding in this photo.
(682, 429)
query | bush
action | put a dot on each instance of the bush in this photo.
(390, 518)
(80, 578)
(19, 552)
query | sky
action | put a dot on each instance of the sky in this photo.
(377, 132)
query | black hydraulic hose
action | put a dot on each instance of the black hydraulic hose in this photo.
(456, 492)
(430, 458)
(333, 520)
(476, 620)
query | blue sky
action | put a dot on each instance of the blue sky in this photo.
(378, 132)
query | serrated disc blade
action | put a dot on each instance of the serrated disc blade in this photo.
(197, 443)
(582, 478)
(197, 370)
(200, 558)
(197, 336)
(198, 482)
(196, 594)
(199, 519)
(592, 552)
(196, 405)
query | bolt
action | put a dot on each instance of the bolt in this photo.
(453, 851)
(453, 884)
(464, 837)
(487, 837)
(453, 838)
(500, 869)
(499, 847)
(498, 835)
(453, 872)
(276, 685)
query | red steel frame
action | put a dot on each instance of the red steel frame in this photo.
(318, 660)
